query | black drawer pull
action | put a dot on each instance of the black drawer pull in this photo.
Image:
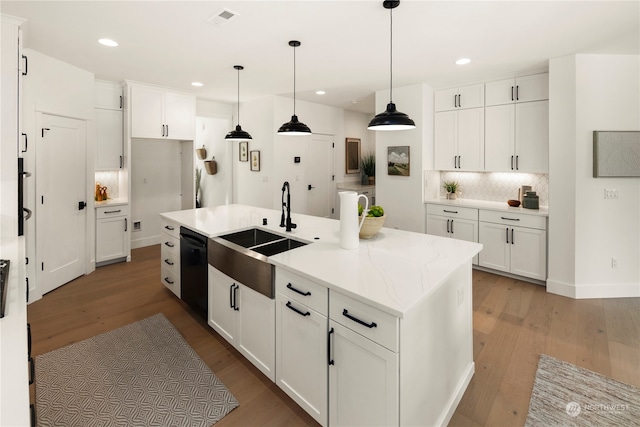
(355, 319)
(29, 339)
(168, 261)
(110, 212)
(32, 370)
(296, 310)
(290, 286)
(510, 219)
(171, 245)
(169, 281)
(32, 410)
(168, 227)
(444, 210)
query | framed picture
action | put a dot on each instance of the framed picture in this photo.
(398, 160)
(352, 155)
(255, 160)
(244, 151)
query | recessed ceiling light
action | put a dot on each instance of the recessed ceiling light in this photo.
(463, 61)
(320, 92)
(108, 42)
(197, 84)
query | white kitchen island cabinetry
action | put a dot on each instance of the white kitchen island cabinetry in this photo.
(170, 256)
(302, 308)
(245, 318)
(112, 234)
(157, 113)
(514, 243)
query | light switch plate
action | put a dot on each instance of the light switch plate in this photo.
(610, 193)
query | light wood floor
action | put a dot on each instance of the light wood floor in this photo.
(514, 322)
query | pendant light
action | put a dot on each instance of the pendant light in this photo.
(238, 134)
(391, 119)
(294, 127)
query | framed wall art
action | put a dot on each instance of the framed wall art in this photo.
(616, 154)
(398, 160)
(243, 152)
(352, 155)
(255, 160)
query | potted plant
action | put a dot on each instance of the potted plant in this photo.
(373, 221)
(368, 164)
(451, 188)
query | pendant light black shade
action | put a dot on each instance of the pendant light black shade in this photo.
(294, 127)
(391, 119)
(238, 134)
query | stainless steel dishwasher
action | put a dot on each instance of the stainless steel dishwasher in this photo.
(193, 271)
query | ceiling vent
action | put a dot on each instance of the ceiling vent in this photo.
(221, 17)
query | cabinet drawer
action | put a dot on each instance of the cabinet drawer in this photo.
(514, 219)
(171, 261)
(368, 321)
(112, 211)
(170, 280)
(452, 211)
(302, 290)
(170, 246)
(170, 227)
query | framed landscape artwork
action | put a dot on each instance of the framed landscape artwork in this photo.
(398, 160)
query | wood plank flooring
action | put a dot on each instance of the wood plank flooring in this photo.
(514, 322)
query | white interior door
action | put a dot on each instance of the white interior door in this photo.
(318, 175)
(60, 186)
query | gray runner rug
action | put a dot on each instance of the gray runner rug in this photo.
(567, 395)
(143, 374)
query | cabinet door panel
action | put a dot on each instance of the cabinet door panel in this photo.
(179, 116)
(446, 136)
(110, 238)
(301, 357)
(108, 95)
(500, 132)
(496, 251)
(499, 92)
(471, 139)
(146, 112)
(222, 317)
(533, 88)
(529, 253)
(445, 99)
(438, 225)
(363, 381)
(471, 96)
(256, 330)
(532, 136)
(465, 229)
(109, 136)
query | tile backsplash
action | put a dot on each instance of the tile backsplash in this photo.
(497, 186)
(110, 180)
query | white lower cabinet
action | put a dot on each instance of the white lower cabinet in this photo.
(245, 318)
(170, 256)
(514, 243)
(363, 380)
(112, 233)
(455, 222)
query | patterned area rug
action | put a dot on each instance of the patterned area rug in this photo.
(143, 374)
(567, 395)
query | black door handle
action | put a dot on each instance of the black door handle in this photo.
(82, 205)
(310, 187)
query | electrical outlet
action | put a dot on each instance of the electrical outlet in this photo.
(610, 193)
(614, 262)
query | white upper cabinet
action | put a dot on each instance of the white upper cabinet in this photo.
(459, 140)
(471, 96)
(108, 95)
(158, 113)
(520, 89)
(109, 103)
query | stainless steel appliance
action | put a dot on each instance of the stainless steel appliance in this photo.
(194, 270)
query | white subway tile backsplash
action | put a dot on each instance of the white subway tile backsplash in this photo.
(110, 180)
(496, 186)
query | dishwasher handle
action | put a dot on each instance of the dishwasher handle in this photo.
(193, 240)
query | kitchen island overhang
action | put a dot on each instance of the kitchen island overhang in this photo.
(421, 281)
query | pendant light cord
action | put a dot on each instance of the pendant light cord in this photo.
(238, 96)
(391, 57)
(294, 80)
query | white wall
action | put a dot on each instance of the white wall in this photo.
(215, 190)
(587, 93)
(402, 197)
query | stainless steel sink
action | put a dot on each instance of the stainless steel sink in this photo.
(243, 256)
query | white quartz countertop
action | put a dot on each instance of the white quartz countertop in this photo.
(393, 271)
(494, 206)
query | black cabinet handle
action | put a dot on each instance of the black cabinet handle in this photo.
(26, 65)
(517, 163)
(511, 162)
(121, 163)
(507, 233)
(235, 297)
(27, 279)
(231, 296)
(455, 212)
(32, 410)
(296, 310)
(460, 100)
(167, 130)
(512, 240)
(448, 226)
(169, 281)
(26, 143)
(329, 353)
(459, 162)
(110, 212)
(512, 93)
(290, 286)
(168, 262)
(168, 227)
(121, 102)
(29, 339)
(125, 224)
(346, 314)
(451, 226)
(32, 370)
(171, 245)
(517, 93)
(510, 219)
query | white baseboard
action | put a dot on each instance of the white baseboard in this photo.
(598, 290)
(147, 241)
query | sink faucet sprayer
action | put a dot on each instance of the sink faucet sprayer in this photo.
(286, 222)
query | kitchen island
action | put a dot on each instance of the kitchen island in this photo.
(391, 333)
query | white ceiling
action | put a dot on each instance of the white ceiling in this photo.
(345, 44)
